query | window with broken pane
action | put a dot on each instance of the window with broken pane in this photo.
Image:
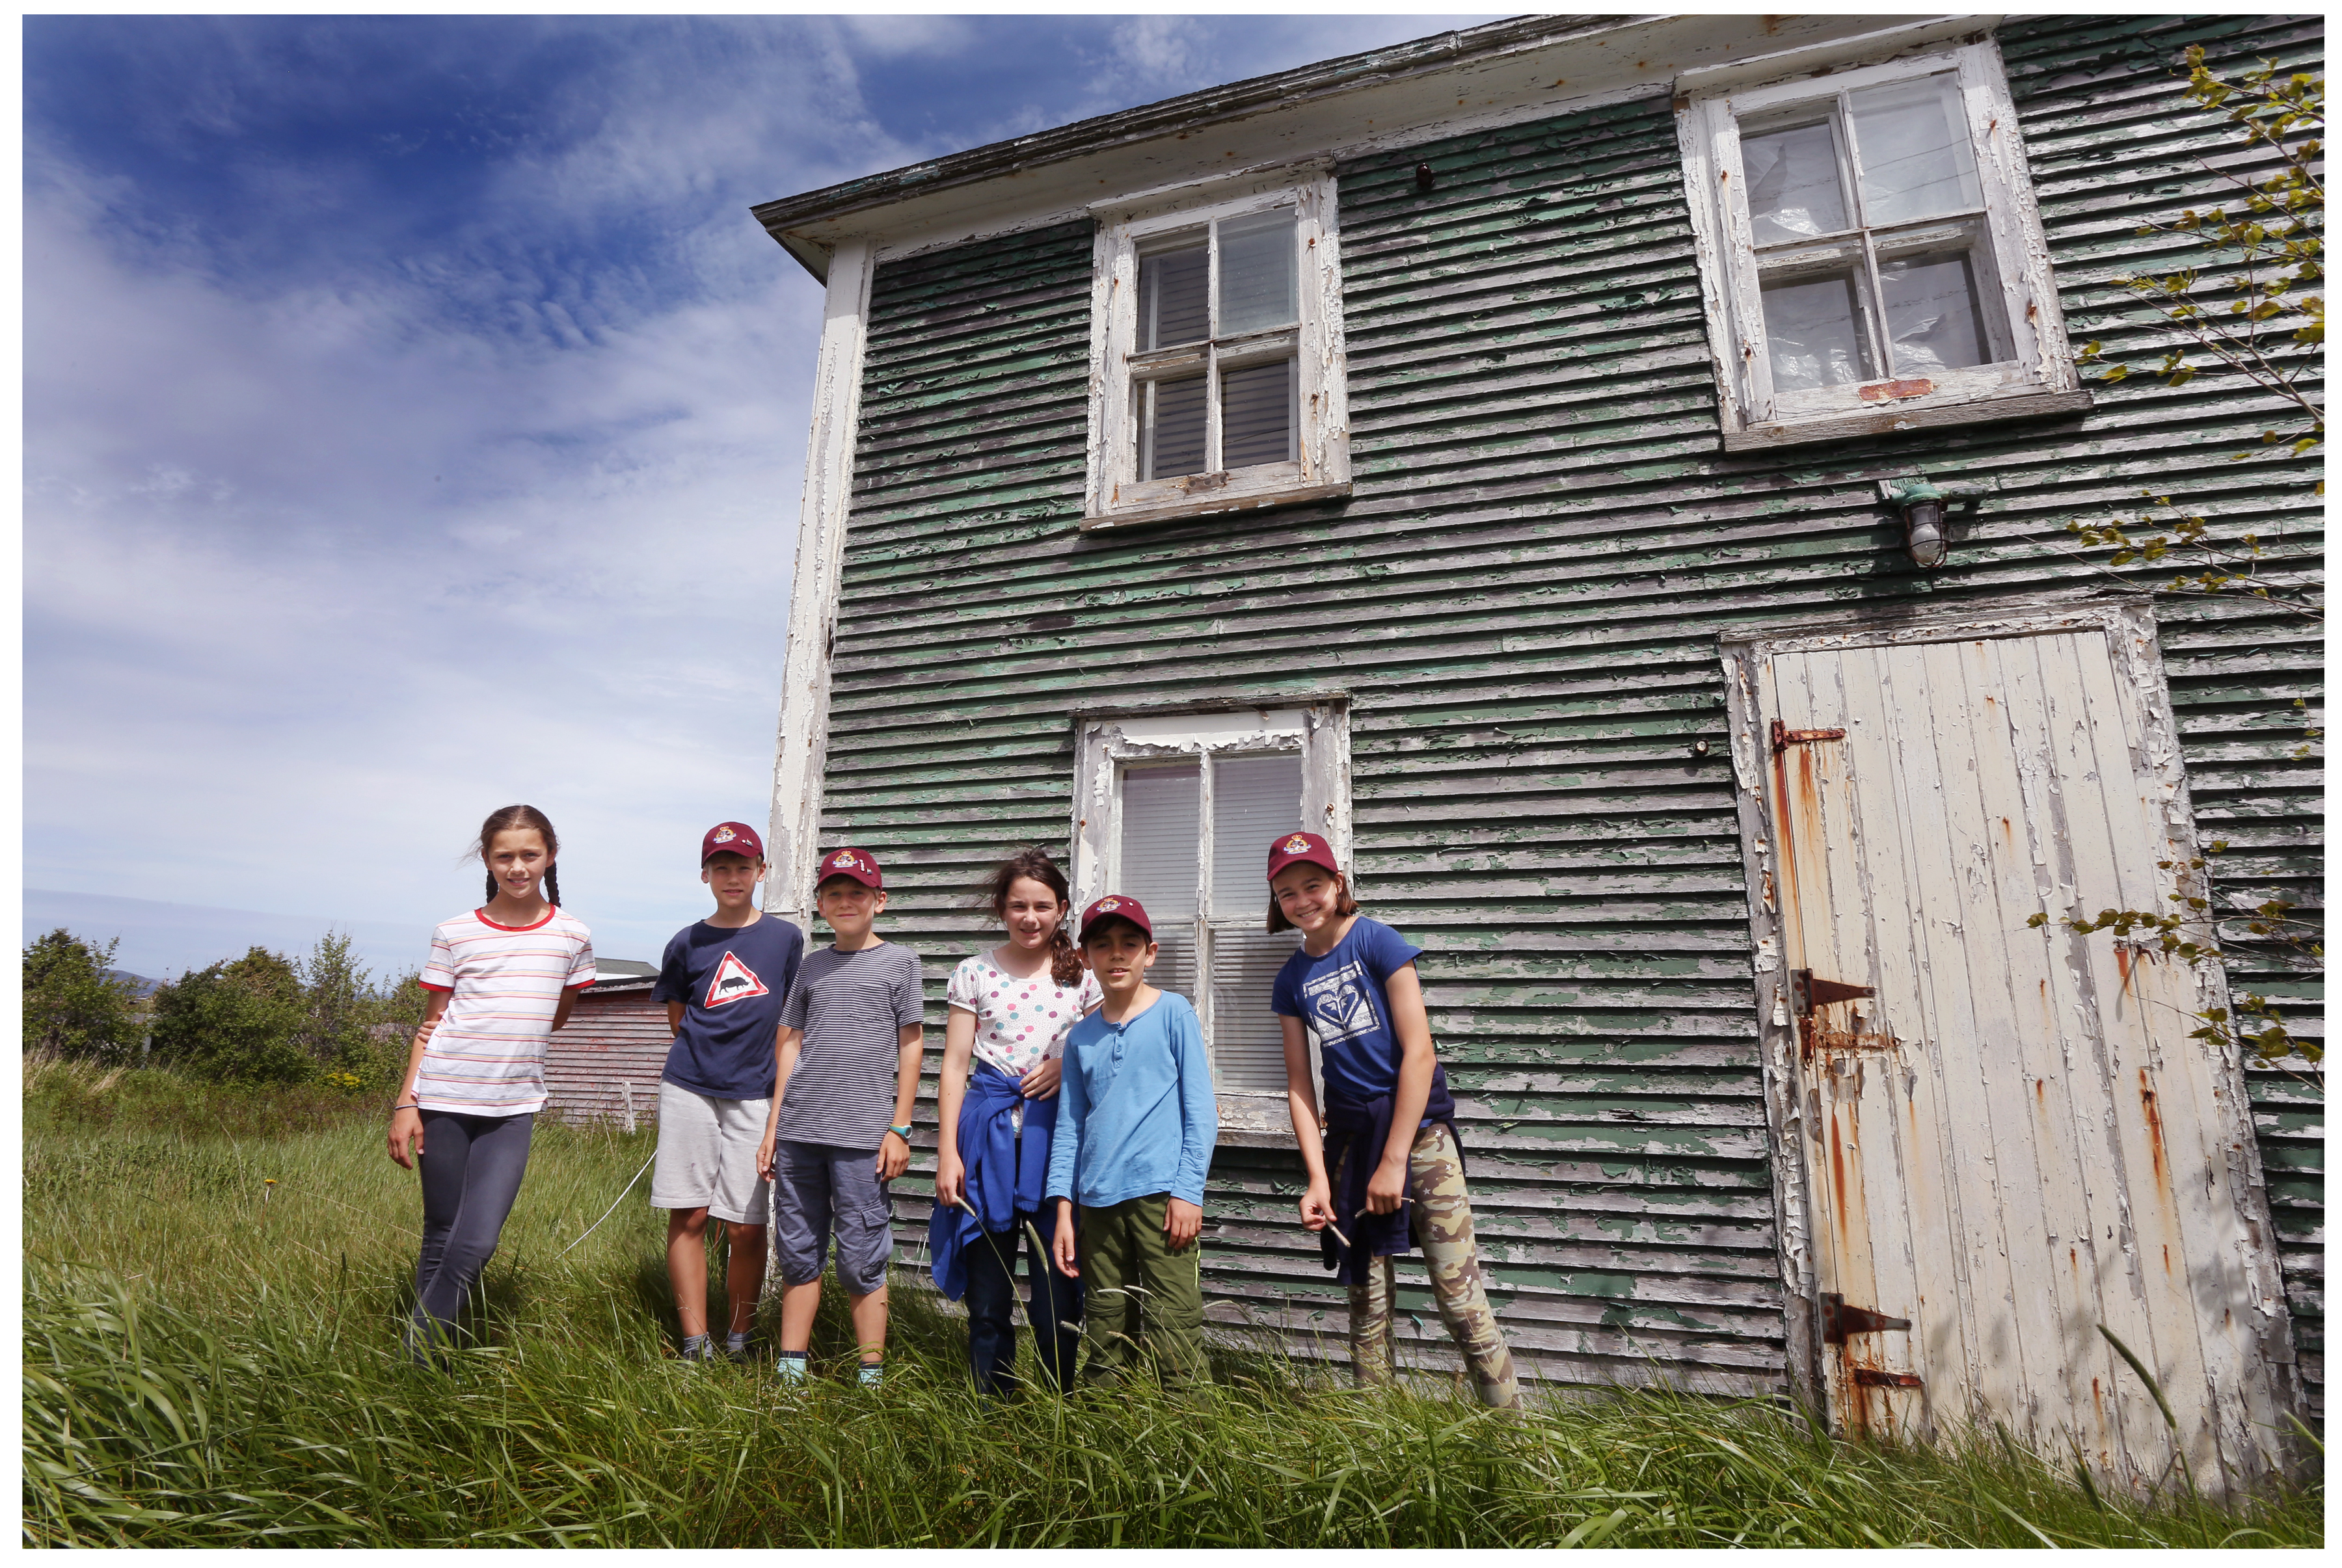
(1872, 246)
(1214, 374)
(1193, 847)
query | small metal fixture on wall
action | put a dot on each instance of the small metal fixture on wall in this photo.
(1921, 502)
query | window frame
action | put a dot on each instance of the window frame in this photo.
(1320, 469)
(1105, 745)
(2035, 375)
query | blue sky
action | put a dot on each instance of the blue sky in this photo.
(414, 424)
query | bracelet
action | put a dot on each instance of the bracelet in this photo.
(902, 1133)
(394, 1110)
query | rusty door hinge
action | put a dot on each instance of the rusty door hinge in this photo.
(1865, 1377)
(1806, 993)
(1784, 737)
(1839, 1320)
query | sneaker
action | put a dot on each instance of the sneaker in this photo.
(692, 1355)
(740, 1357)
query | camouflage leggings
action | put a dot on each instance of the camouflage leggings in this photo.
(1442, 1229)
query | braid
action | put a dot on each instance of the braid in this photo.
(552, 885)
(492, 887)
(1065, 964)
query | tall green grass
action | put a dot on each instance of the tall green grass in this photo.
(210, 1359)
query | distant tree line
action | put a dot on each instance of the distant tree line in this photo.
(262, 1018)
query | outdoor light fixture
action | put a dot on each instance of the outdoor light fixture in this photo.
(1921, 502)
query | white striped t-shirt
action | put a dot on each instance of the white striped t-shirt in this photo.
(487, 1057)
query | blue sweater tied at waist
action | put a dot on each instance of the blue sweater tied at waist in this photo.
(1361, 1128)
(1006, 1176)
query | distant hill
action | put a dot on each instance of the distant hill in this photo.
(145, 987)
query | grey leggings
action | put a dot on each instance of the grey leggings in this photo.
(472, 1167)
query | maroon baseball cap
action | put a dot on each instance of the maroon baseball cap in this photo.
(857, 863)
(731, 838)
(1116, 907)
(1296, 847)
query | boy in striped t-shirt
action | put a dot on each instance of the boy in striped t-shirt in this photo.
(845, 1067)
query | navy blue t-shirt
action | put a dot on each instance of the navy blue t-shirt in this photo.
(1342, 1000)
(732, 981)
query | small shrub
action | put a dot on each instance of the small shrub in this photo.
(239, 1021)
(74, 1004)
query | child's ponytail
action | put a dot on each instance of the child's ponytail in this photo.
(1034, 865)
(1065, 961)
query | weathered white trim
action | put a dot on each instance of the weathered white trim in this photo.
(792, 843)
(1320, 732)
(1211, 188)
(2033, 374)
(1521, 72)
(1322, 441)
(1883, 44)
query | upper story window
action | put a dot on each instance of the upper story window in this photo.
(1178, 812)
(1216, 379)
(1870, 253)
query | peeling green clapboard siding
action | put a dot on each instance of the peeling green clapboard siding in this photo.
(1522, 598)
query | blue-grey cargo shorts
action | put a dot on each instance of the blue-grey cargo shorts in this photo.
(818, 1190)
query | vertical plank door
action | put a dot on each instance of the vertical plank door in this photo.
(2010, 1138)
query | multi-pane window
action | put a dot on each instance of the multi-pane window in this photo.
(1874, 247)
(1178, 812)
(1217, 332)
(1208, 900)
(1870, 237)
(1219, 328)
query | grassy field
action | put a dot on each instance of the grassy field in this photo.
(211, 1359)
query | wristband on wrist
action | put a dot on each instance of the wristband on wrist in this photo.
(902, 1133)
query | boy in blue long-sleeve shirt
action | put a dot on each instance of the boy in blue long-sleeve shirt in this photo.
(1136, 1126)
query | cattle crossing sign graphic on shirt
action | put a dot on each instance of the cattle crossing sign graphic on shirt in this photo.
(732, 981)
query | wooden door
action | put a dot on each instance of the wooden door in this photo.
(2009, 1138)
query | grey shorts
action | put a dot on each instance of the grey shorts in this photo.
(823, 1189)
(707, 1155)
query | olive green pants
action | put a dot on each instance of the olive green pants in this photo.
(1442, 1222)
(1141, 1301)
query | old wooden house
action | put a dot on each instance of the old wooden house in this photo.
(1511, 454)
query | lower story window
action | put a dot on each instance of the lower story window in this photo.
(1178, 813)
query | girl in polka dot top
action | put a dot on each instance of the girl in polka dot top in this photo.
(1011, 1008)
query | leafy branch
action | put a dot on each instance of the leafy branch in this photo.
(2215, 565)
(2274, 324)
(2252, 1021)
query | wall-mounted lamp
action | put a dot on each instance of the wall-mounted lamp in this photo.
(1921, 502)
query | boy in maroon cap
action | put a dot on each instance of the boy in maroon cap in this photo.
(848, 1065)
(723, 980)
(1136, 1126)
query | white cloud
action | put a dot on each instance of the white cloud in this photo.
(318, 575)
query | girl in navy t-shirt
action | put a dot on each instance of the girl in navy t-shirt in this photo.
(1397, 1169)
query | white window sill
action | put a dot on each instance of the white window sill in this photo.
(1853, 424)
(1255, 1121)
(1212, 504)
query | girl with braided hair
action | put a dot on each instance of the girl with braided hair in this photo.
(997, 1105)
(501, 979)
